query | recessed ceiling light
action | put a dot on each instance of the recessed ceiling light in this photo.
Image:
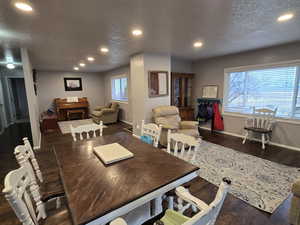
(76, 68)
(198, 44)
(104, 50)
(82, 64)
(10, 66)
(285, 17)
(23, 5)
(137, 32)
(91, 59)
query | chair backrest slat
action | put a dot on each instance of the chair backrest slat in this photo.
(263, 118)
(89, 128)
(182, 142)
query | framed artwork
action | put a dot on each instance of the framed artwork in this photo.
(73, 84)
(210, 91)
(158, 83)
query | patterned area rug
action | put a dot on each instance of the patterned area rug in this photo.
(64, 126)
(261, 183)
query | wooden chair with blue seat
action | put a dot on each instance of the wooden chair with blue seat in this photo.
(207, 214)
(150, 133)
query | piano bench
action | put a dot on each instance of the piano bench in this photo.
(71, 112)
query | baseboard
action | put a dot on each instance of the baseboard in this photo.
(40, 141)
(253, 139)
(127, 122)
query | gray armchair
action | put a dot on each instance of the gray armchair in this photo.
(107, 114)
(168, 117)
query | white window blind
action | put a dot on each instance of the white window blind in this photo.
(119, 88)
(269, 87)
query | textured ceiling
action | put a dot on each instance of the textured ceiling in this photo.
(61, 33)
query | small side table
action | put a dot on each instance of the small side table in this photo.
(48, 123)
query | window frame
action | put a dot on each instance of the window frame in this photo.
(111, 87)
(227, 71)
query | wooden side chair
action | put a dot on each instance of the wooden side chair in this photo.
(261, 122)
(22, 193)
(87, 129)
(50, 184)
(207, 214)
(187, 145)
(151, 130)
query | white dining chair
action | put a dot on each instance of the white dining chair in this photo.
(26, 158)
(18, 187)
(23, 196)
(152, 130)
(207, 213)
(88, 128)
(184, 146)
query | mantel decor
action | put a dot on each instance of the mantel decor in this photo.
(73, 84)
(158, 83)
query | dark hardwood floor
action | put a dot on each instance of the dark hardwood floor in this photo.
(234, 211)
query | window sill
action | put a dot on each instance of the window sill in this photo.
(281, 120)
(120, 101)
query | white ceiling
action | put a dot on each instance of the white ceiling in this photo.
(60, 33)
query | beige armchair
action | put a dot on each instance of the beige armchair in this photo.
(168, 117)
(107, 114)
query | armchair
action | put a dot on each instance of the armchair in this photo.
(168, 117)
(107, 114)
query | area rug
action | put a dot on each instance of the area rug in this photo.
(261, 183)
(64, 126)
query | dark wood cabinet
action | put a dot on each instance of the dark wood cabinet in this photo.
(181, 94)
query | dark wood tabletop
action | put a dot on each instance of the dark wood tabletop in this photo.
(93, 189)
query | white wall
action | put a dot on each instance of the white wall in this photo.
(125, 107)
(31, 98)
(50, 85)
(181, 66)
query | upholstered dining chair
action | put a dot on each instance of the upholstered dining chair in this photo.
(207, 214)
(87, 129)
(184, 146)
(261, 122)
(169, 118)
(23, 195)
(152, 131)
(51, 186)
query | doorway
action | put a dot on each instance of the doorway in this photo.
(17, 99)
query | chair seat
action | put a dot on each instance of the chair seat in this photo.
(52, 186)
(172, 217)
(258, 130)
(59, 216)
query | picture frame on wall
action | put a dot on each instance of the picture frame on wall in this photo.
(73, 84)
(158, 83)
(210, 91)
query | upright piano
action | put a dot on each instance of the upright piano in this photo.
(63, 106)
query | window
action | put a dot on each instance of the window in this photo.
(119, 88)
(273, 87)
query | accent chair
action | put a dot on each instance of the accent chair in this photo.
(107, 114)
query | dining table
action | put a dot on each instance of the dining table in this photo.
(97, 193)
